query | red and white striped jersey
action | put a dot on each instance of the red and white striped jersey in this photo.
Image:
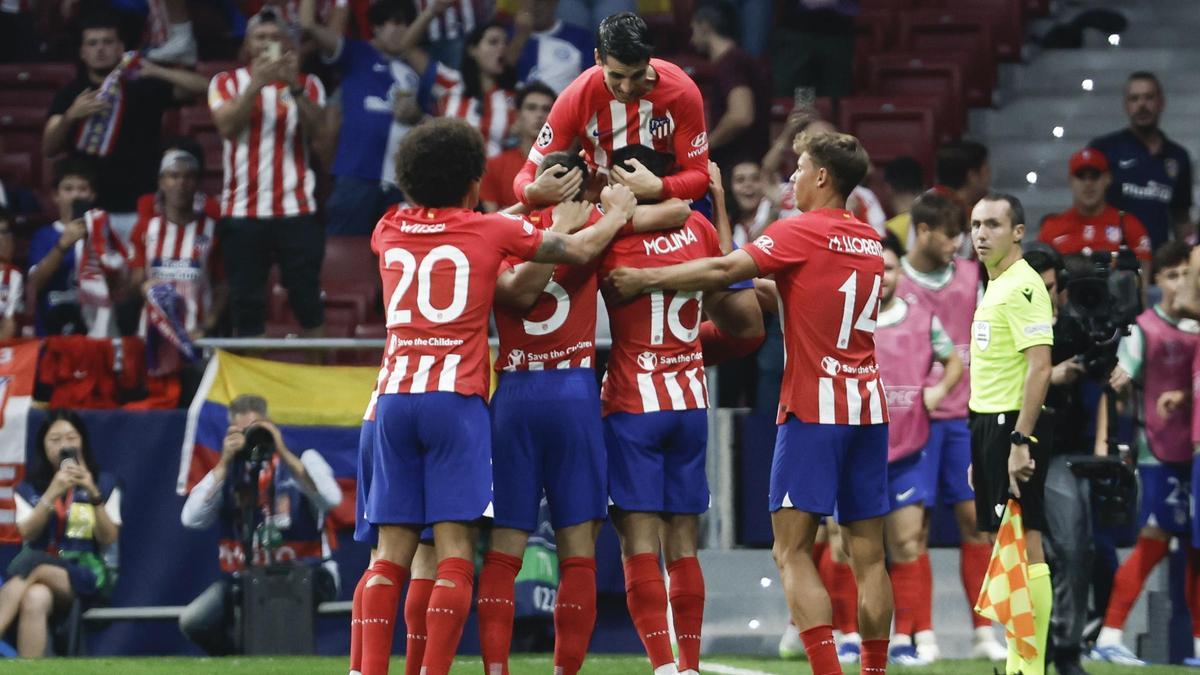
(12, 290)
(456, 22)
(656, 361)
(439, 269)
(184, 255)
(828, 267)
(559, 331)
(267, 169)
(670, 119)
(493, 115)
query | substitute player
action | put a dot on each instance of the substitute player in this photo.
(439, 262)
(546, 320)
(627, 98)
(1010, 371)
(951, 287)
(655, 402)
(1156, 358)
(831, 450)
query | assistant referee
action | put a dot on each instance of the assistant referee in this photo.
(1010, 371)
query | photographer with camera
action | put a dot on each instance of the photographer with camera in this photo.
(268, 499)
(69, 516)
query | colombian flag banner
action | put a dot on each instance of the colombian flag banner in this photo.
(318, 407)
(1005, 596)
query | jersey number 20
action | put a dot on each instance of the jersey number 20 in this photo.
(423, 271)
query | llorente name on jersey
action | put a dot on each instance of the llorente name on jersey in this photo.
(847, 244)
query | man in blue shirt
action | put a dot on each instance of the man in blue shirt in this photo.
(382, 98)
(1152, 176)
(555, 52)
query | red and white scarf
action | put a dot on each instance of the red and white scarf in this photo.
(98, 133)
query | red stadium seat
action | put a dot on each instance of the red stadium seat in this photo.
(888, 134)
(350, 264)
(33, 84)
(911, 76)
(366, 331)
(876, 29)
(16, 168)
(850, 107)
(937, 33)
(1004, 17)
(21, 133)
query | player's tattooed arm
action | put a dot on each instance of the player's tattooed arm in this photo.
(664, 215)
(705, 274)
(618, 204)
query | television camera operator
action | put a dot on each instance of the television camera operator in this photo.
(265, 499)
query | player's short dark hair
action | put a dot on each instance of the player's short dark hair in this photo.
(568, 161)
(438, 160)
(958, 158)
(1170, 254)
(939, 211)
(383, 11)
(720, 15)
(904, 174)
(1147, 76)
(625, 37)
(100, 19)
(658, 163)
(892, 243)
(77, 167)
(1016, 211)
(840, 154)
(534, 87)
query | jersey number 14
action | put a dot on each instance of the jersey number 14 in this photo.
(865, 322)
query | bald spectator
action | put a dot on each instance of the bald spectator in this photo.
(1091, 224)
(1151, 175)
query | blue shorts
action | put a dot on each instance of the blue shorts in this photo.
(656, 461)
(820, 468)
(948, 455)
(432, 461)
(364, 531)
(1166, 497)
(547, 437)
(906, 482)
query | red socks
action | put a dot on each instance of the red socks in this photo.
(844, 597)
(574, 613)
(356, 623)
(821, 650)
(416, 602)
(378, 616)
(646, 596)
(906, 581)
(972, 567)
(1127, 584)
(687, 608)
(874, 657)
(496, 606)
(923, 618)
(449, 607)
(824, 564)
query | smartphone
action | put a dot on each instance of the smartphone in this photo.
(274, 50)
(80, 207)
(804, 98)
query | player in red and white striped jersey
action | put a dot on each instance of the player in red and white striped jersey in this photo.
(431, 464)
(628, 98)
(831, 450)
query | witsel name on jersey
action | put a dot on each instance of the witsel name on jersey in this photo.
(422, 228)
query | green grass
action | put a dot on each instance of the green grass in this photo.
(526, 665)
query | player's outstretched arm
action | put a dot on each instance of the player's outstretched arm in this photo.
(519, 287)
(664, 215)
(705, 274)
(735, 326)
(618, 204)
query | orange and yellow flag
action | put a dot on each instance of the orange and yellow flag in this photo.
(1005, 596)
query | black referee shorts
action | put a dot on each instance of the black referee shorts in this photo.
(990, 446)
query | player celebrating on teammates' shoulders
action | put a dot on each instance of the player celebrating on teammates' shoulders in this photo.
(432, 458)
(909, 340)
(655, 402)
(627, 98)
(831, 450)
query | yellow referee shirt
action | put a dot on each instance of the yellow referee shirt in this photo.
(1013, 316)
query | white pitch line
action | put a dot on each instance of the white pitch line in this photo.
(720, 669)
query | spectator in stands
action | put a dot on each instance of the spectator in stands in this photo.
(534, 101)
(268, 113)
(814, 47)
(1152, 175)
(1091, 224)
(69, 515)
(382, 97)
(112, 114)
(12, 282)
(482, 94)
(961, 167)
(589, 13)
(446, 24)
(547, 49)
(750, 210)
(739, 106)
(150, 204)
(304, 490)
(76, 264)
(169, 33)
(906, 182)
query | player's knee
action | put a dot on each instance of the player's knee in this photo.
(37, 601)
(786, 553)
(906, 550)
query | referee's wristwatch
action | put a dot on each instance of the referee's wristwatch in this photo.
(1018, 438)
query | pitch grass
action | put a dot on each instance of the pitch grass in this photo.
(526, 665)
